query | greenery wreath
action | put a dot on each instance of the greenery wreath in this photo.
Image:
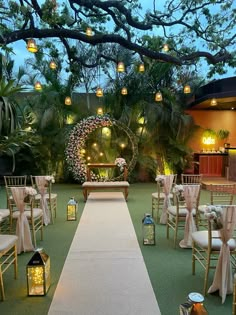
(77, 139)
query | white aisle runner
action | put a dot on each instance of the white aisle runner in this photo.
(104, 272)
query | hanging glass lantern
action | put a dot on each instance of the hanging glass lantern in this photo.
(194, 305)
(68, 100)
(148, 230)
(124, 91)
(187, 89)
(31, 46)
(158, 97)
(120, 67)
(89, 31)
(214, 102)
(100, 111)
(141, 67)
(72, 208)
(165, 47)
(53, 65)
(99, 92)
(38, 274)
(38, 86)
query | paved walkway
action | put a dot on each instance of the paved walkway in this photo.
(104, 272)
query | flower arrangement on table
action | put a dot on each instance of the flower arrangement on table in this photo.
(30, 192)
(120, 162)
(214, 214)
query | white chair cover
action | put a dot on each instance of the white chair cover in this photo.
(167, 185)
(191, 193)
(41, 184)
(24, 243)
(223, 277)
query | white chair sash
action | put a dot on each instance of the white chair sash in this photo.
(41, 184)
(24, 243)
(167, 185)
(191, 193)
(223, 277)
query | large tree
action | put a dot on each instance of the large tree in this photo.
(194, 29)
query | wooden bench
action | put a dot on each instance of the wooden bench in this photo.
(110, 185)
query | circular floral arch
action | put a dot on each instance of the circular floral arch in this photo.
(77, 139)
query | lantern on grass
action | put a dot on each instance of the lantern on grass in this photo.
(148, 230)
(38, 274)
(72, 207)
(193, 305)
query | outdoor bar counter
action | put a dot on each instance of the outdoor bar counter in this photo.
(211, 163)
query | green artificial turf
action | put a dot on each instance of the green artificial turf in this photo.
(169, 269)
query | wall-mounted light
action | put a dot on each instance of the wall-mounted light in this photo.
(208, 140)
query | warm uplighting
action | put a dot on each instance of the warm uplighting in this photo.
(141, 67)
(95, 144)
(158, 97)
(89, 31)
(99, 92)
(38, 86)
(68, 100)
(38, 274)
(100, 111)
(187, 89)
(83, 151)
(214, 102)
(101, 154)
(165, 47)
(53, 65)
(31, 46)
(88, 158)
(124, 91)
(122, 145)
(120, 67)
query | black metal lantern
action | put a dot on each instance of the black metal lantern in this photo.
(148, 230)
(72, 208)
(38, 274)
